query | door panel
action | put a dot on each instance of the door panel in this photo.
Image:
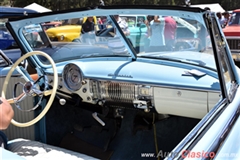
(15, 132)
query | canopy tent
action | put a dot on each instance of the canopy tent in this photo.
(215, 7)
(38, 8)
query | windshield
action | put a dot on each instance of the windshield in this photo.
(235, 19)
(175, 36)
(75, 39)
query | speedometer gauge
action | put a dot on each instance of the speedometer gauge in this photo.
(72, 77)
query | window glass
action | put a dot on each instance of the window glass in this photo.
(235, 19)
(221, 49)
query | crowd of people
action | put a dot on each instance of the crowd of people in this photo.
(223, 18)
(160, 30)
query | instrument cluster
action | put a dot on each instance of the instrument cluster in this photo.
(72, 77)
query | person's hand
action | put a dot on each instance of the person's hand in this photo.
(6, 113)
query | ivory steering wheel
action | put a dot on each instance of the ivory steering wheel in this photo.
(51, 92)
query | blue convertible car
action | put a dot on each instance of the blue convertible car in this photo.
(101, 99)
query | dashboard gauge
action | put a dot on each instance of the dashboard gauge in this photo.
(72, 77)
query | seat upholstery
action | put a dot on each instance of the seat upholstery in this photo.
(33, 150)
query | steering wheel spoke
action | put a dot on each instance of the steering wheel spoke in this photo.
(18, 99)
(47, 92)
(24, 73)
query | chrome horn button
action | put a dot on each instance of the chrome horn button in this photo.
(27, 88)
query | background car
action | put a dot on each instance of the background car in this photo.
(6, 40)
(232, 33)
(69, 31)
(51, 25)
(107, 98)
(137, 28)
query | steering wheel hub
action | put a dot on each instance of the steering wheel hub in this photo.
(28, 87)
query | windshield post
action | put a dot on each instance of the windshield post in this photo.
(127, 40)
(209, 21)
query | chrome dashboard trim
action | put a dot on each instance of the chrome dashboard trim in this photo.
(119, 75)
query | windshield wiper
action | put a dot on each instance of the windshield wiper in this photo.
(103, 55)
(201, 63)
(162, 58)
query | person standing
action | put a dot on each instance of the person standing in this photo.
(88, 25)
(169, 32)
(122, 24)
(226, 18)
(87, 32)
(156, 33)
(220, 19)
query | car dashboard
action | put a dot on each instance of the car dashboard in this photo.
(121, 89)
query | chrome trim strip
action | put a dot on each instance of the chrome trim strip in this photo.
(232, 37)
(224, 133)
(235, 51)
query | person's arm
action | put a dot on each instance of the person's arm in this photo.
(124, 27)
(126, 32)
(149, 33)
(6, 113)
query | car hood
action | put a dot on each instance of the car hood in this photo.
(232, 30)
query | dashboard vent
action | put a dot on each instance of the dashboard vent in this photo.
(118, 92)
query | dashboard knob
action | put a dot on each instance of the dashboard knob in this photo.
(62, 101)
(100, 103)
